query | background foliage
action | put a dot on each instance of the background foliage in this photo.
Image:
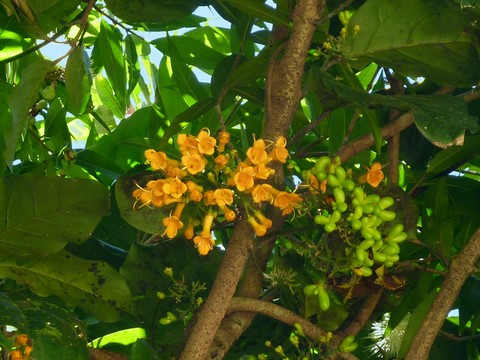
(385, 81)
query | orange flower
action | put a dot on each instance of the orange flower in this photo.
(206, 143)
(230, 215)
(279, 152)
(263, 220)
(260, 230)
(204, 242)
(263, 192)
(262, 171)
(257, 153)
(142, 195)
(173, 224)
(223, 197)
(196, 195)
(220, 162)
(189, 232)
(187, 143)
(156, 159)
(194, 163)
(287, 202)
(175, 188)
(223, 139)
(244, 177)
(209, 198)
(375, 174)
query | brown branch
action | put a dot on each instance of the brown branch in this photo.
(211, 314)
(460, 269)
(101, 354)
(277, 312)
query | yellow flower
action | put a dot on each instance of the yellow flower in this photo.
(204, 242)
(189, 232)
(156, 159)
(230, 215)
(287, 202)
(263, 192)
(175, 188)
(194, 163)
(279, 152)
(244, 177)
(220, 162)
(209, 198)
(263, 219)
(206, 143)
(260, 230)
(223, 139)
(142, 195)
(262, 171)
(257, 154)
(187, 143)
(173, 224)
(223, 197)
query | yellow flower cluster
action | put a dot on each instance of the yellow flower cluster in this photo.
(210, 176)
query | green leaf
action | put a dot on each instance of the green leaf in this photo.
(113, 61)
(454, 156)
(56, 129)
(53, 330)
(184, 77)
(249, 70)
(141, 350)
(193, 113)
(5, 124)
(416, 320)
(414, 37)
(337, 124)
(45, 213)
(133, 66)
(78, 80)
(21, 100)
(260, 10)
(105, 93)
(92, 285)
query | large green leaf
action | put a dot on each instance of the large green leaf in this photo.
(90, 284)
(43, 214)
(114, 62)
(5, 123)
(21, 100)
(441, 119)
(78, 80)
(258, 9)
(53, 330)
(415, 37)
(107, 97)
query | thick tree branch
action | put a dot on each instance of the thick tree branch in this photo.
(213, 311)
(460, 269)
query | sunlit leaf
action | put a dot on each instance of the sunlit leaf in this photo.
(260, 10)
(78, 80)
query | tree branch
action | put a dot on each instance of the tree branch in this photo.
(460, 269)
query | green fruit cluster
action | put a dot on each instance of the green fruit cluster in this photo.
(363, 217)
(319, 291)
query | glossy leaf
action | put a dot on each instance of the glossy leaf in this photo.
(78, 80)
(105, 93)
(99, 290)
(114, 62)
(21, 100)
(259, 10)
(43, 214)
(133, 66)
(399, 35)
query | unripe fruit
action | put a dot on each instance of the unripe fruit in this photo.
(394, 231)
(321, 219)
(330, 227)
(386, 202)
(339, 195)
(363, 271)
(368, 262)
(342, 207)
(348, 185)
(361, 254)
(378, 245)
(48, 93)
(366, 244)
(358, 212)
(372, 199)
(368, 208)
(356, 224)
(386, 215)
(399, 238)
(321, 175)
(359, 193)
(332, 180)
(340, 173)
(322, 163)
(323, 299)
(310, 290)
(336, 215)
(390, 250)
(348, 344)
(379, 257)
(393, 258)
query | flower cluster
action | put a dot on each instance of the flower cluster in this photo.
(210, 181)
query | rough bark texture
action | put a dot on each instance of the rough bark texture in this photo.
(213, 311)
(460, 269)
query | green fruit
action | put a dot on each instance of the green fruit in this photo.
(336, 215)
(394, 231)
(322, 163)
(386, 202)
(393, 258)
(323, 299)
(378, 245)
(340, 173)
(371, 221)
(358, 212)
(390, 250)
(393, 245)
(321, 175)
(366, 233)
(356, 224)
(348, 340)
(332, 180)
(388, 264)
(368, 208)
(349, 348)
(321, 219)
(386, 215)
(306, 174)
(371, 199)
(368, 262)
(310, 290)
(358, 193)
(339, 195)
(342, 207)
(379, 257)
(348, 185)
(48, 93)
(330, 227)
(366, 244)
(363, 271)
(361, 254)
(399, 238)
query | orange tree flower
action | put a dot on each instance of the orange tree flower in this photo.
(187, 143)
(244, 177)
(189, 232)
(206, 143)
(142, 195)
(223, 197)
(220, 161)
(175, 188)
(209, 198)
(204, 242)
(194, 163)
(223, 139)
(263, 219)
(257, 154)
(263, 192)
(229, 214)
(173, 224)
(156, 159)
(279, 152)
(262, 171)
(374, 175)
(260, 230)
(287, 202)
